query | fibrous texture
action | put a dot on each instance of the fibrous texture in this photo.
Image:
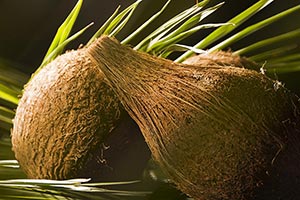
(65, 112)
(218, 132)
(220, 59)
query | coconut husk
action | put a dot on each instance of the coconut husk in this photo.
(221, 58)
(217, 132)
(63, 120)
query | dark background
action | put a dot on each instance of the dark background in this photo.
(27, 27)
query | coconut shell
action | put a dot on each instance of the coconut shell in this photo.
(64, 114)
(217, 132)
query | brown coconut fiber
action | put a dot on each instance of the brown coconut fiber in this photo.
(64, 114)
(220, 133)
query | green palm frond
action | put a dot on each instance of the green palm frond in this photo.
(253, 28)
(72, 186)
(225, 30)
(62, 34)
(188, 19)
(116, 22)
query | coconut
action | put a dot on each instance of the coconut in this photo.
(217, 132)
(221, 58)
(64, 118)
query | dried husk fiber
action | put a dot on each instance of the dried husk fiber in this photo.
(65, 115)
(220, 58)
(218, 132)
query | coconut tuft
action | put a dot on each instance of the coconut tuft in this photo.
(217, 132)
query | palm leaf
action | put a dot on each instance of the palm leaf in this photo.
(223, 31)
(251, 29)
(63, 32)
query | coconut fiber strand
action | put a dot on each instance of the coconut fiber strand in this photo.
(60, 119)
(69, 124)
(217, 132)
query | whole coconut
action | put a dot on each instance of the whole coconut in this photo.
(218, 132)
(64, 118)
